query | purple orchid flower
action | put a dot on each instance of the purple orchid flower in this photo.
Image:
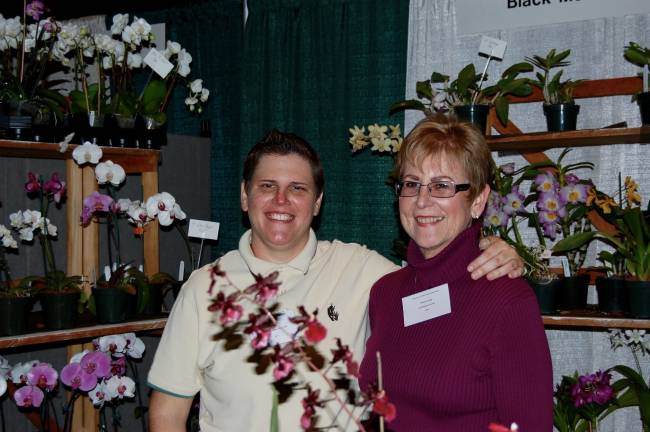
(546, 182)
(514, 201)
(592, 388)
(571, 179)
(549, 201)
(575, 193)
(35, 9)
(75, 377)
(508, 168)
(118, 367)
(96, 363)
(32, 185)
(43, 376)
(55, 186)
(29, 396)
(95, 202)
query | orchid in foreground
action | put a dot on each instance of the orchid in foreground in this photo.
(268, 334)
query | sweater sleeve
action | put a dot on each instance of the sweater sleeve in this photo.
(522, 368)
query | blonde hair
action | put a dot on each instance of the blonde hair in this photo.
(445, 135)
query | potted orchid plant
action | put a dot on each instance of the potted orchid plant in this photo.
(466, 94)
(58, 293)
(640, 56)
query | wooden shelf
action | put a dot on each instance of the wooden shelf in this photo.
(132, 160)
(590, 137)
(79, 333)
(591, 321)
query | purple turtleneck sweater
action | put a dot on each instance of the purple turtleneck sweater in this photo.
(486, 361)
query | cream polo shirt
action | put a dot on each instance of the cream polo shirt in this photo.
(233, 396)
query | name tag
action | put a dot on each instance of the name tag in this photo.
(426, 305)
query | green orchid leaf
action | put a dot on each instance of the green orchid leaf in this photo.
(413, 104)
(153, 96)
(573, 242)
(466, 77)
(423, 90)
(437, 77)
(501, 107)
(516, 69)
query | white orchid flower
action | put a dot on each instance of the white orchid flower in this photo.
(88, 152)
(119, 22)
(112, 344)
(98, 395)
(119, 387)
(16, 219)
(5, 368)
(109, 172)
(26, 234)
(205, 93)
(163, 206)
(63, 145)
(9, 242)
(196, 86)
(124, 204)
(172, 48)
(4, 231)
(191, 101)
(18, 373)
(51, 228)
(135, 347)
(77, 357)
(134, 61)
(137, 214)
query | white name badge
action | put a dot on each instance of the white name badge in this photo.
(426, 305)
(284, 331)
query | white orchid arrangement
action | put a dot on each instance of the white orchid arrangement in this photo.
(378, 138)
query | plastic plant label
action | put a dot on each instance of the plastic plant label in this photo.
(156, 61)
(492, 47)
(203, 229)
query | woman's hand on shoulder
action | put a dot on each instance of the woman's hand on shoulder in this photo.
(498, 259)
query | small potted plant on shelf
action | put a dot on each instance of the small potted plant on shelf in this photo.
(631, 240)
(466, 95)
(559, 106)
(58, 292)
(640, 56)
(16, 297)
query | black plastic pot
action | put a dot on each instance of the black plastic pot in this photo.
(154, 305)
(573, 292)
(561, 117)
(546, 294)
(111, 305)
(639, 298)
(14, 312)
(59, 309)
(475, 114)
(643, 100)
(612, 295)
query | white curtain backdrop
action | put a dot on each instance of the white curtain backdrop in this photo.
(596, 52)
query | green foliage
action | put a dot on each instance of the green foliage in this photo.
(555, 90)
(635, 53)
(58, 281)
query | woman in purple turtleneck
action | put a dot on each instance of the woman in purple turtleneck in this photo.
(457, 353)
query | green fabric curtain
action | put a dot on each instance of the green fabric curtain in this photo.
(316, 68)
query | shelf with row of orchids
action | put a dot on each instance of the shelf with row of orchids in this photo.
(122, 283)
(127, 92)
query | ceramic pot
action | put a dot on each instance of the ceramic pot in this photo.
(475, 114)
(561, 117)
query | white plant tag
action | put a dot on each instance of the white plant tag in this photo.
(107, 272)
(203, 229)
(565, 266)
(156, 61)
(492, 47)
(181, 270)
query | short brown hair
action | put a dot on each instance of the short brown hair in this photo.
(281, 143)
(445, 134)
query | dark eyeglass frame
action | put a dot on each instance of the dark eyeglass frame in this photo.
(461, 187)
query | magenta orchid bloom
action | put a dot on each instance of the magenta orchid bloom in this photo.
(95, 202)
(118, 367)
(96, 363)
(43, 376)
(75, 377)
(35, 9)
(230, 311)
(55, 187)
(283, 365)
(32, 185)
(592, 388)
(259, 328)
(29, 396)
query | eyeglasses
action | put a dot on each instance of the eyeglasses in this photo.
(437, 189)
